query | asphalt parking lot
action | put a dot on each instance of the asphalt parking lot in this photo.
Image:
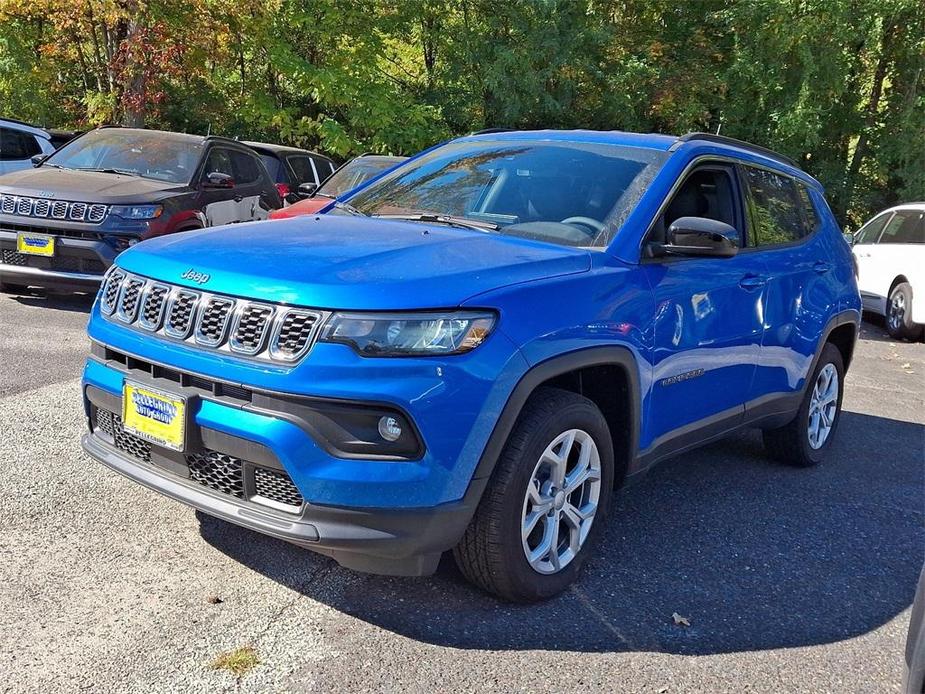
(792, 580)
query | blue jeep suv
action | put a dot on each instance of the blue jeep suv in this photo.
(472, 352)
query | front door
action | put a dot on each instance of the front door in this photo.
(708, 326)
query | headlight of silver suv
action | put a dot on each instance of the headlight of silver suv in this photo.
(410, 334)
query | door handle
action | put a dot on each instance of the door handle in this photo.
(750, 282)
(238, 198)
(822, 267)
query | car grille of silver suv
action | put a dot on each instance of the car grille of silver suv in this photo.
(247, 328)
(23, 206)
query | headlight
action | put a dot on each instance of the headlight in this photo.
(137, 211)
(409, 334)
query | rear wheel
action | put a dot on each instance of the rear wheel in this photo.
(804, 441)
(899, 313)
(545, 503)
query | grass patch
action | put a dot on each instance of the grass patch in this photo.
(238, 662)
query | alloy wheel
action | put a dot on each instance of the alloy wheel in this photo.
(561, 501)
(823, 406)
(897, 312)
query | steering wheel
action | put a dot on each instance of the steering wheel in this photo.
(596, 226)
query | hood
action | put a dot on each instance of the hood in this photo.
(339, 262)
(86, 186)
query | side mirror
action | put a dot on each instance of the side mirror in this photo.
(218, 180)
(849, 237)
(38, 159)
(307, 189)
(699, 236)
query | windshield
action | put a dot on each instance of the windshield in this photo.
(170, 157)
(569, 193)
(355, 172)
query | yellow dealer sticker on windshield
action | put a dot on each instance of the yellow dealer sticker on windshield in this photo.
(36, 244)
(154, 416)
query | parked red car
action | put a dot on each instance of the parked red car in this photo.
(347, 177)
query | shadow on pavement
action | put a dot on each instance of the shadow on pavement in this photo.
(81, 303)
(756, 555)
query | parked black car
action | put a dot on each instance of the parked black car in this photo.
(290, 168)
(63, 222)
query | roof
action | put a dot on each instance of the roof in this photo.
(26, 127)
(701, 142)
(280, 149)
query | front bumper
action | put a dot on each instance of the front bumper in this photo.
(78, 263)
(382, 541)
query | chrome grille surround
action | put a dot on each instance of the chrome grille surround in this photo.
(250, 328)
(293, 334)
(214, 315)
(25, 206)
(130, 299)
(152, 306)
(181, 313)
(236, 326)
(110, 294)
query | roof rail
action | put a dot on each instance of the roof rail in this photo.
(723, 140)
(21, 122)
(488, 131)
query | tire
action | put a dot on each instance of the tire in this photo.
(8, 288)
(899, 314)
(493, 551)
(794, 443)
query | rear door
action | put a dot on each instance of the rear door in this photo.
(802, 291)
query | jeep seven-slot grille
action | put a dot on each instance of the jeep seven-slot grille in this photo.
(219, 471)
(24, 206)
(249, 328)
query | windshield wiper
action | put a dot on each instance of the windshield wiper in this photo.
(122, 172)
(349, 209)
(448, 219)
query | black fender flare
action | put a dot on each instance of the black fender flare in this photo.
(605, 355)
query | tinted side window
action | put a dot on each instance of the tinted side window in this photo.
(274, 168)
(324, 167)
(905, 227)
(219, 161)
(302, 168)
(246, 167)
(17, 145)
(775, 207)
(870, 232)
(810, 216)
(706, 192)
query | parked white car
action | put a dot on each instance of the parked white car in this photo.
(890, 253)
(19, 142)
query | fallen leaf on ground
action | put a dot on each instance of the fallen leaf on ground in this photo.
(680, 621)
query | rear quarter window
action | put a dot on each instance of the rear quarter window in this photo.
(17, 145)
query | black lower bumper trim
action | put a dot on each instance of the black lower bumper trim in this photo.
(404, 542)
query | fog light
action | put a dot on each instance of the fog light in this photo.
(389, 428)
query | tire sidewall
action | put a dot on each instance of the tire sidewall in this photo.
(584, 416)
(830, 355)
(907, 328)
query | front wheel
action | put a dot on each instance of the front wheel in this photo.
(899, 314)
(545, 503)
